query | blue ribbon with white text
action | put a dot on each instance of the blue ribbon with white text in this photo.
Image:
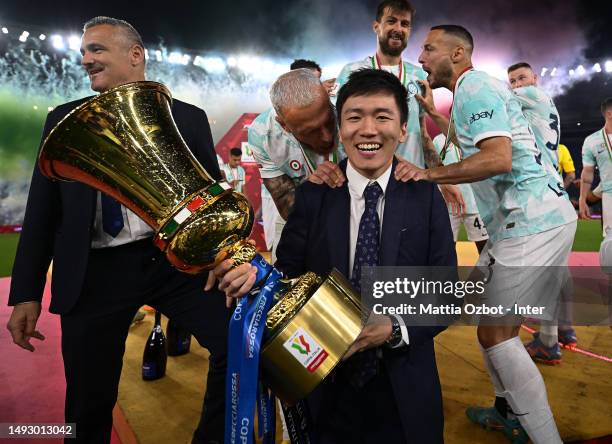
(246, 330)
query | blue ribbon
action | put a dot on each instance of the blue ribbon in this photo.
(245, 335)
(267, 414)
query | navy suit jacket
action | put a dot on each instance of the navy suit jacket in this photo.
(415, 232)
(59, 217)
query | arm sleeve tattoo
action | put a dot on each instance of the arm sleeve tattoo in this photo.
(282, 190)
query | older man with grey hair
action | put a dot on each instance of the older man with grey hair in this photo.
(105, 265)
(291, 139)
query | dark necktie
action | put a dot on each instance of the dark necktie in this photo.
(363, 366)
(112, 217)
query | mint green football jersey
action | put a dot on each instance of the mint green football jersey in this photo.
(543, 118)
(595, 153)
(528, 199)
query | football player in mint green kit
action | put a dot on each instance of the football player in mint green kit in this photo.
(392, 26)
(540, 111)
(597, 151)
(292, 139)
(543, 117)
(529, 219)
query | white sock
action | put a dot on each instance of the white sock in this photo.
(497, 385)
(524, 390)
(549, 334)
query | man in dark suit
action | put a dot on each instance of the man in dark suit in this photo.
(104, 263)
(388, 390)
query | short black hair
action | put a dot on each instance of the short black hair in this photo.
(236, 152)
(366, 82)
(519, 65)
(457, 31)
(394, 5)
(303, 63)
(606, 105)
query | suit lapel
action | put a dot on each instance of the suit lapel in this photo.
(392, 221)
(338, 227)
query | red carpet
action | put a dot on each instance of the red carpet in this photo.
(584, 259)
(32, 385)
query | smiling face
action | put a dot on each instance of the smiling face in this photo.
(109, 59)
(393, 31)
(370, 130)
(436, 59)
(521, 77)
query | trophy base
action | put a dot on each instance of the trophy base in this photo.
(299, 353)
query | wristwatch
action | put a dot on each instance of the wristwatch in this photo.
(396, 333)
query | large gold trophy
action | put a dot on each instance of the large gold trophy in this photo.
(125, 143)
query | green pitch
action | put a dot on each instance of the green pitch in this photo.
(588, 235)
(8, 245)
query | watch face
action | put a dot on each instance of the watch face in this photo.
(396, 333)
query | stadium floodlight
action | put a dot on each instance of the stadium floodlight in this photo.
(178, 58)
(58, 42)
(271, 69)
(174, 57)
(74, 43)
(571, 72)
(608, 66)
(543, 72)
(248, 63)
(158, 55)
(580, 70)
(553, 72)
(4, 30)
(24, 36)
(42, 37)
(210, 64)
(597, 67)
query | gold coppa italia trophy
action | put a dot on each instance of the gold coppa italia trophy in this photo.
(125, 143)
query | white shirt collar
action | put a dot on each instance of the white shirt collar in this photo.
(357, 183)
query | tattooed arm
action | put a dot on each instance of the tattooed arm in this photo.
(282, 190)
(430, 155)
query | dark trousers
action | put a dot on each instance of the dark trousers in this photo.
(119, 280)
(368, 415)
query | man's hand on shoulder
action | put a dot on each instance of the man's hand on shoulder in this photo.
(22, 324)
(405, 171)
(328, 173)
